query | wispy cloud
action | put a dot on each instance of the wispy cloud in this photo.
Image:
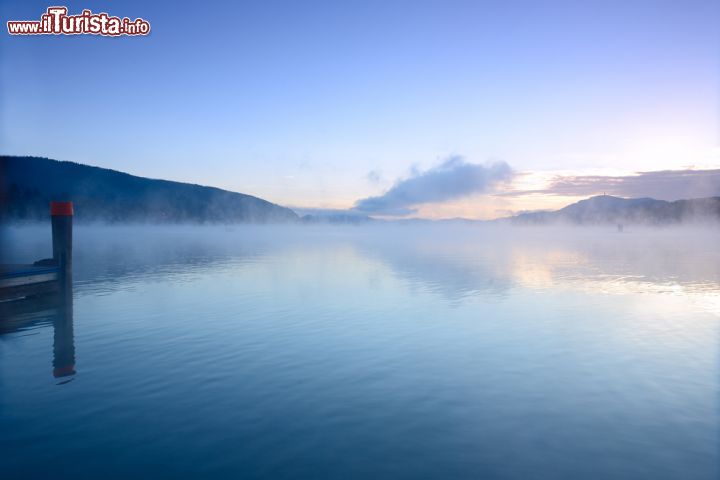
(451, 180)
(662, 184)
(374, 176)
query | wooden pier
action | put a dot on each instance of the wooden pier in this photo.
(51, 275)
(54, 308)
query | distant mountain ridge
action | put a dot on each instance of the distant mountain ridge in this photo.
(605, 209)
(28, 184)
(338, 219)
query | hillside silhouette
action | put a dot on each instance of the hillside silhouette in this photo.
(28, 184)
(604, 209)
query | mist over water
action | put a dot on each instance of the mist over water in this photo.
(390, 351)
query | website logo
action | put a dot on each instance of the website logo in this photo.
(56, 21)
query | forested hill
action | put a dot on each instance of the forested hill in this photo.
(28, 184)
(609, 209)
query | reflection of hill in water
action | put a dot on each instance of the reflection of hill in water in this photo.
(455, 262)
(453, 269)
(492, 262)
(471, 261)
(686, 258)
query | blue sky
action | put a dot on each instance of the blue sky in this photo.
(323, 104)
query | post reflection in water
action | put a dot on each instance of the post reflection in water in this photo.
(55, 309)
(63, 338)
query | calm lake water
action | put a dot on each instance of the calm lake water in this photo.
(367, 353)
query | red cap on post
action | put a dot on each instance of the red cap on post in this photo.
(61, 209)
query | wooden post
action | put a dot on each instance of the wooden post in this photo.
(61, 214)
